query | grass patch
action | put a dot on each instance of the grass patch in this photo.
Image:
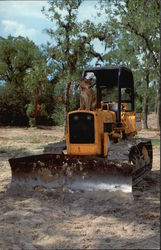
(13, 152)
(31, 139)
(34, 139)
(155, 142)
(40, 146)
(18, 138)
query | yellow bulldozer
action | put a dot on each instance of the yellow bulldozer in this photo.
(100, 151)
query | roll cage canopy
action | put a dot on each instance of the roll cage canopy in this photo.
(109, 77)
(112, 76)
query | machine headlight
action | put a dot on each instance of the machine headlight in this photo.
(76, 118)
(89, 117)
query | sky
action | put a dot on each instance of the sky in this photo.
(26, 19)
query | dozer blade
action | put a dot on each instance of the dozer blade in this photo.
(127, 164)
(73, 172)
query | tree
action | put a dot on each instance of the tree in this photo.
(136, 25)
(17, 54)
(19, 61)
(72, 48)
(13, 105)
(34, 82)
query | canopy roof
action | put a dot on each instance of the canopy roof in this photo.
(112, 76)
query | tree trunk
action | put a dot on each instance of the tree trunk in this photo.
(158, 109)
(156, 104)
(145, 114)
(67, 105)
(146, 103)
(159, 102)
(36, 106)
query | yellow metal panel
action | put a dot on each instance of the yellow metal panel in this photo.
(85, 149)
(82, 149)
(129, 122)
(100, 117)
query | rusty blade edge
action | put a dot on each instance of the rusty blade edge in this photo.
(64, 163)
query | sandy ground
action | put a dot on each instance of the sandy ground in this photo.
(50, 219)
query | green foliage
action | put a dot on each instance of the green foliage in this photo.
(72, 49)
(135, 42)
(58, 115)
(152, 93)
(17, 54)
(36, 77)
(24, 72)
(30, 110)
(13, 105)
(40, 86)
(30, 115)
